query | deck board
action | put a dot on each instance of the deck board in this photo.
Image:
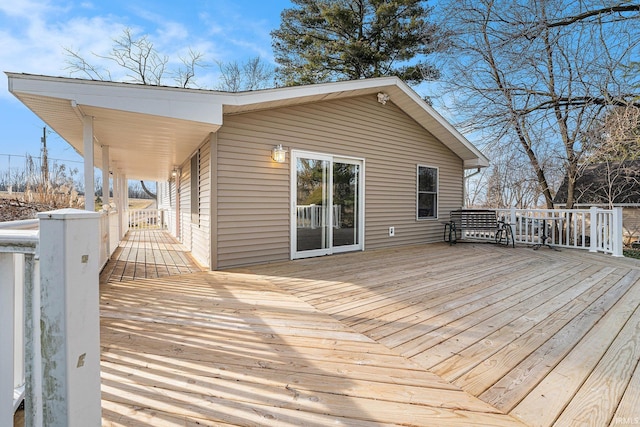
(147, 254)
(235, 349)
(472, 334)
(513, 333)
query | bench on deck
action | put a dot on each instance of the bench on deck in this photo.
(478, 221)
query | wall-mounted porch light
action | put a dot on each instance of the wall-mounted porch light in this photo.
(174, 172)
(278, 154)
(383, 98)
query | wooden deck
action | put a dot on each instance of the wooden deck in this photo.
(148, 254)
(432, 335)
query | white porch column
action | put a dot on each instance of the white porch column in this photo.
(117, 196)
(89, 186)
(105, 175)
(70, 335)
(618, 233)
(124, 185)
(593, 229)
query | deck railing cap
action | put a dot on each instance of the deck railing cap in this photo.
(68, 214)
(19, 241)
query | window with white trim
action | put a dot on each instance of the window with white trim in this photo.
(427, 198)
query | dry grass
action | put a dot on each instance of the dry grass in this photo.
(141, 204)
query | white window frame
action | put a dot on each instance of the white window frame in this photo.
(295, 154)
(418, 192)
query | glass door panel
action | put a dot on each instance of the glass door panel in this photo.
(346, 204)
(312, 204)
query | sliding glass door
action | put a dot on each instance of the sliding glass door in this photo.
(327, 206)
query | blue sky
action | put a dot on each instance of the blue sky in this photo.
(34, 33)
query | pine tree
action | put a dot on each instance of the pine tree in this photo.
(329, 40)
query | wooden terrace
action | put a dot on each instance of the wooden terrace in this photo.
(430, 335)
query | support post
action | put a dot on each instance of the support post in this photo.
(32, 350)
(105, 175)
(105, 200)
(7, 329)
(617, 231)
(89, 185)
(70, 335)
(124, 192)
(593, 232)
(117, 196)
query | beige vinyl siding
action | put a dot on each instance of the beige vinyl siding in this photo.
(195, 235)
(253, 191)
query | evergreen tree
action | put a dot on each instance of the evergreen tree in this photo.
(329, 40)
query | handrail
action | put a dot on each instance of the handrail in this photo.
(23, 224)
(594, 229)
(19, 241)
(147, 219)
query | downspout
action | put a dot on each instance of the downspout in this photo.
(464, 186)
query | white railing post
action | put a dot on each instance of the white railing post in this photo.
(593, 234)
(33, 355)
(7, 328)
(617, 232)
(512, 217)
(70, 335)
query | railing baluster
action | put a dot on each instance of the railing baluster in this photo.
(597, 230)
(16, 254)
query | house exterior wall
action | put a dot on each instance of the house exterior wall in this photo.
(193, 233)
(253, 192)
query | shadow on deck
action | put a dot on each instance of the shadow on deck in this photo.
(429, 335)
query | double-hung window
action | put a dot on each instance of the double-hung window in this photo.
(427, 198)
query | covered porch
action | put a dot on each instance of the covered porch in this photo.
(473, 334)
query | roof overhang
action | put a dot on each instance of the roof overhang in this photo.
(148, 129)
(399, 93)
(151, 129)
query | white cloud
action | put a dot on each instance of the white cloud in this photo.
(35, 33)
(24, 8)
(32, 44)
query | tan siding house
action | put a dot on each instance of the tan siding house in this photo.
(367, 164)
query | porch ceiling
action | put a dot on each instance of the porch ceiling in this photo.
(147, 130)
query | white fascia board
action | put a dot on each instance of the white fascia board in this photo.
(158, 101)
(476, 163)
(296, 92)
(480, 159)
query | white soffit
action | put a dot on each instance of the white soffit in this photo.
(148, 129)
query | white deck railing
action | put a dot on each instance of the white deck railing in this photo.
(147, 219)
(311, 216)
(594, 229)
(17, 266)
(49, 319)
(109, 238)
